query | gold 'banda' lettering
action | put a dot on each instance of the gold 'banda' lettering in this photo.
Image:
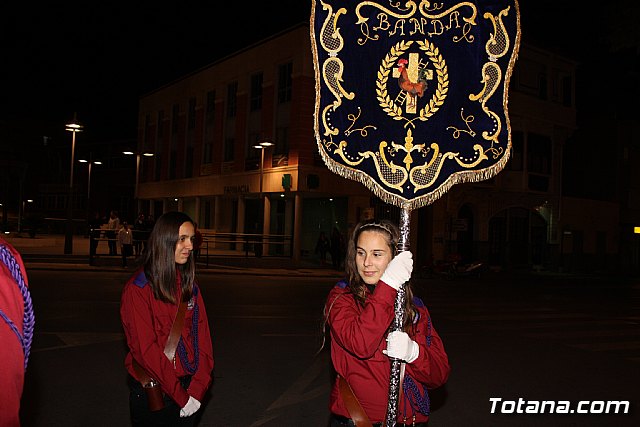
(394, 26)
(383, 22)
(436, 28)
(399, 27)
(454, 20)
(418, 25)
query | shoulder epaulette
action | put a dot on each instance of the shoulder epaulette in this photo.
(418, 302)
(140, 280)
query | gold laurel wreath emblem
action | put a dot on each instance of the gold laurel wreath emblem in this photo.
(439, 95)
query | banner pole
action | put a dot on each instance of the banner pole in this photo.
(396, 364)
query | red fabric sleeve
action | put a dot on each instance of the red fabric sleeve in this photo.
(360, 331)
(11, 353)
(432, 365)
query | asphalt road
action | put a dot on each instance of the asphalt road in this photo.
(535, 338)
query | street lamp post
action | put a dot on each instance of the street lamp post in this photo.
(262, 145)
(22, 214)
(90, 162)
(145, 154)
(72, 127)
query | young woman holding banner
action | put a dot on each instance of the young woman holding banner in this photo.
(360, 314)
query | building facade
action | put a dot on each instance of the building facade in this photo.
(203, 129)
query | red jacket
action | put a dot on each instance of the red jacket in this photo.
(358, 337)
(147, 323)
(16, 332)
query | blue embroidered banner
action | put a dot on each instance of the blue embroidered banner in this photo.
(411, 96)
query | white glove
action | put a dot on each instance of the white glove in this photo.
(190, 408)
(400, 346)
(398, 270)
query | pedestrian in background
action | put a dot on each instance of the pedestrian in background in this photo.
(163, 296)
(95, 226)
(125, 241)
(323, 245)
(16, 332)
(360, 315)
(139, 233)
(197, 242)
(337, 248)
(113, 225)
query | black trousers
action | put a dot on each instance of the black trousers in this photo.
(169, 416)
(127, 251)
(112, 243)
(339, 421)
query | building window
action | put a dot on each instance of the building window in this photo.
(157, 166)
(542, 86)
(211, 107)
(175, 113)
(160, 131)
(539, 152)
(530, 77)
(232, 99)
(255, 102)
(208, 153)
(191, 121)
(284, 82)
(252, 155)
(209, 122)
(517, 144)
(148, 131)
(282, 140)
(188, 168)
(229, 151)
(566, 91)
(173, 164)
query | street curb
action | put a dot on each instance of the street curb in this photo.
(222, 270)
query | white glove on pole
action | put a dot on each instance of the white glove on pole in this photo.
(190, 408)
(398, 270)
(400, 346)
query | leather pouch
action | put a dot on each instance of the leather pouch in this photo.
(154, 396)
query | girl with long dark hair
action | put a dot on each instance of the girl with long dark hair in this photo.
(359, 313)
(150, 305)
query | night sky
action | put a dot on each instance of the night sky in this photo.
(98, 58)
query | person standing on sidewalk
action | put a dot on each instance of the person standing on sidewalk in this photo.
(197, 242)
(337, 248)
(125, 241)
(139, 233)
(16, 332)
(360, 315)
(113, 225)
(152, 301)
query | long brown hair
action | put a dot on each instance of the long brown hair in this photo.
(159, 259)
(356, 285)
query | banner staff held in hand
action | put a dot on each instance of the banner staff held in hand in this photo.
(411, 99)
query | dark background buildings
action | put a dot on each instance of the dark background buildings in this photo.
(98, 59)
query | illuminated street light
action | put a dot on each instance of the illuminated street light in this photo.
(72, 127)
(262, 145)
(145, 154)
(90, 163)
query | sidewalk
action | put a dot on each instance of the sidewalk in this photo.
(46, 252)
